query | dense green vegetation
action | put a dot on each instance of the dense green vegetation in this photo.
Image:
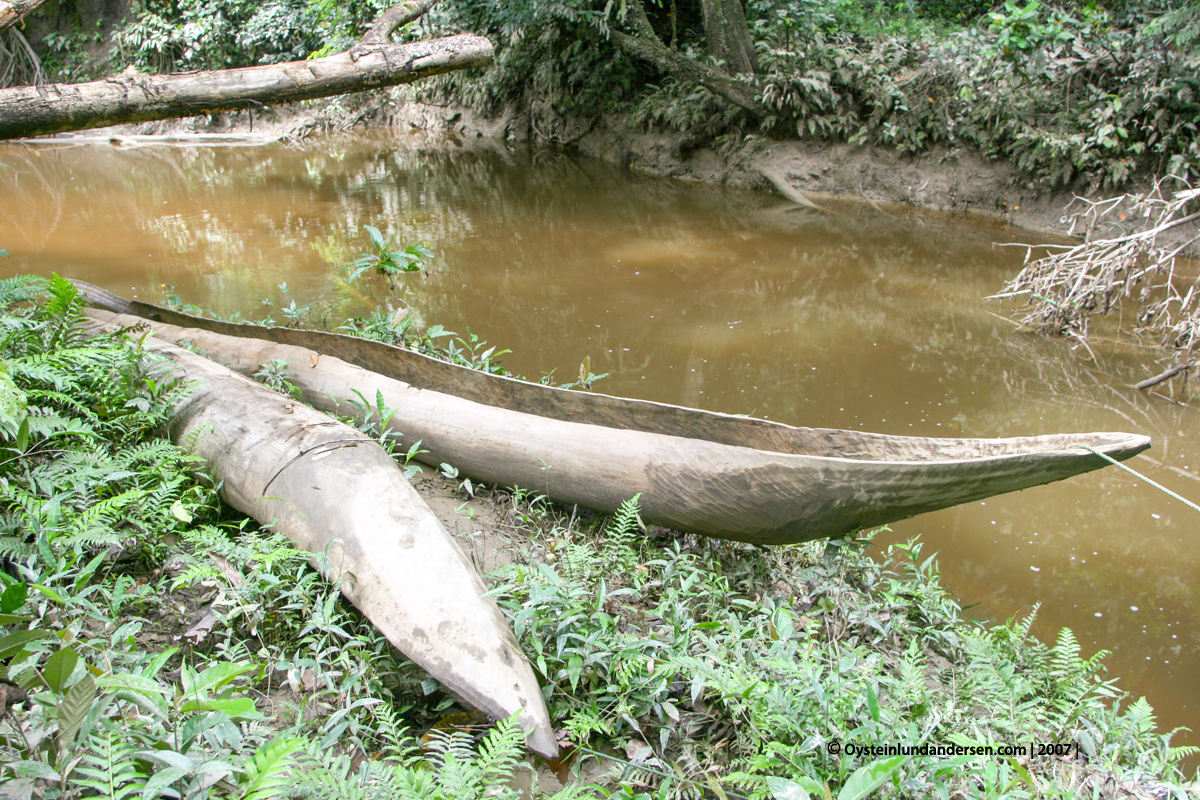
(156, 644)
(1080, 93)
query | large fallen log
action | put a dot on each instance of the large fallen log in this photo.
(732, 477)
(335, 492)
(137, 97)
(13, 11)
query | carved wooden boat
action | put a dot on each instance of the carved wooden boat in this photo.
(333, 491)
(732, 477)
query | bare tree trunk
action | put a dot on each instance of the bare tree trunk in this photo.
(729, 36)
(136, 97)
(646, 45)
(13, 11)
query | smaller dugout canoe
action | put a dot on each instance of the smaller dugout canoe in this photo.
(732, 477)
(331, 490)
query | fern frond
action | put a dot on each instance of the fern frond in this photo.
(108, 511)
(1021, 629)
(110, 768)
(396, 742)
(1140, 716)
(20, 289)
(64, 309)
(617, 554)
(157, 451)
(12, 547)
(43, 370)
(453, 758)
(270, 769)
(628, 520)
(1064, 656)
(499, 751)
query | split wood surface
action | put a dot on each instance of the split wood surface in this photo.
(725, 476)
(337, 494)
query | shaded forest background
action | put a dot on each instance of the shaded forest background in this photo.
(1088, 95)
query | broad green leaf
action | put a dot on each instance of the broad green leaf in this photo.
(146, 703)
(74, 707)
(180, 512)
(168, 758)
(214, 677)
(783, 789)
(135, 683)
(12, 404)
(59, 667)
(873, 703)
(869, 778)
(15, 619)
(1024, 773)
(53, 595)
(160, 781)
(235, 707)
(13, 598)
(34, 769)
(15, 641)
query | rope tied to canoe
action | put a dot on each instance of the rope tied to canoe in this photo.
(1137, 474)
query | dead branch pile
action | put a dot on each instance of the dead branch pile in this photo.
(1073, 284)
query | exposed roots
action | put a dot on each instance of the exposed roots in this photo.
(1066, 288)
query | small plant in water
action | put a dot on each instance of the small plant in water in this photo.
(387, 261)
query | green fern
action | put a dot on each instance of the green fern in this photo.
(617, 552)
(499, 752)
(109, 768)
(64, 311)
(270, 770)
(396, 743)
(20, 289)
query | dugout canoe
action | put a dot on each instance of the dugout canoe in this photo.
(337, 494)
(732, 477)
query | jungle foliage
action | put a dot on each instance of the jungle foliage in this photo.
(1078, 93)
(155, 644)
(1086, 93)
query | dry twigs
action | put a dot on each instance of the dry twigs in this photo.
(1066, 288)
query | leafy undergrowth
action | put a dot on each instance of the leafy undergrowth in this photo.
(156, 645)
(1076, 94)
(723, 665)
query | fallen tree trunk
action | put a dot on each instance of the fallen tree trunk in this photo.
(331, 490)
(13, 11)
(137, 97)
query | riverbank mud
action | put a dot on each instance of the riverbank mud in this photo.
(957, 180)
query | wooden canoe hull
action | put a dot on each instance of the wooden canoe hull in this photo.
(732, 477)
(333, 491)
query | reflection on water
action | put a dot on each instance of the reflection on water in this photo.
(863, 318)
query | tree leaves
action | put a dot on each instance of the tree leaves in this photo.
(73, 709)
(58, 668)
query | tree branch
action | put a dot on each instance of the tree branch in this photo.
(137, 97)
(395, 17)
(13, 11)
(646, 46)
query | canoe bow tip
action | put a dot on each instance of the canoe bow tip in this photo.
(541, 740)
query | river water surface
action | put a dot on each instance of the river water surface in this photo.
(864, 317)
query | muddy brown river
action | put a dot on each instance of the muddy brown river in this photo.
(863, 317)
